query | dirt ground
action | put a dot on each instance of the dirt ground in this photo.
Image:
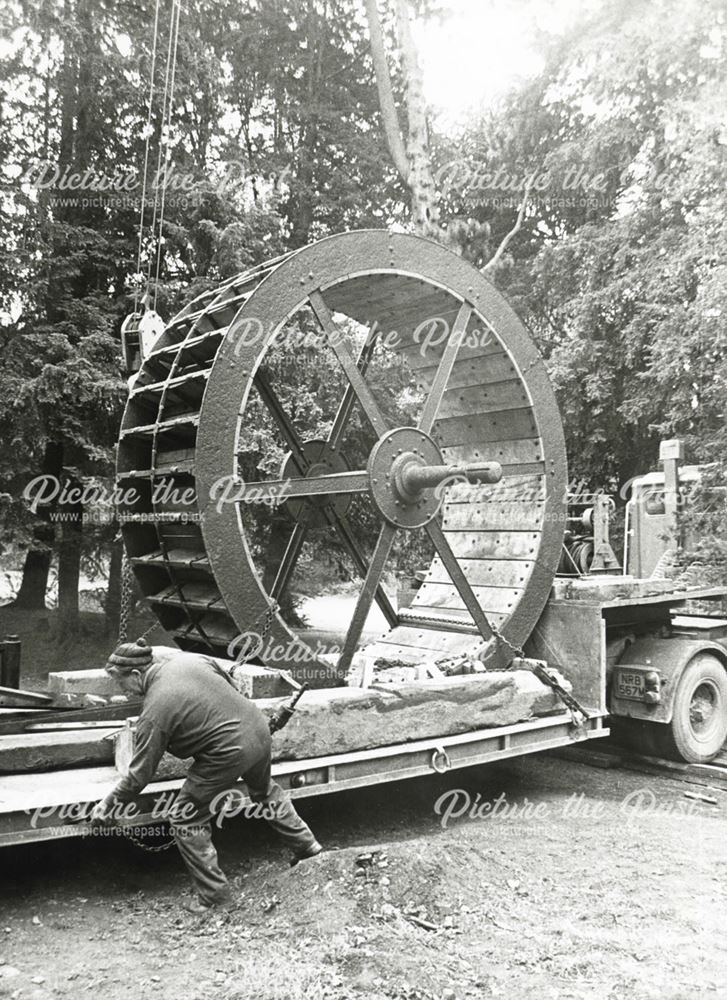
(584, 883)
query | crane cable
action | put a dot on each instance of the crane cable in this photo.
(147, 136)
(164, 143)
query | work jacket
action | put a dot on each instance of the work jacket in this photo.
(192, 710)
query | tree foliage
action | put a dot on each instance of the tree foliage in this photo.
(595, 193)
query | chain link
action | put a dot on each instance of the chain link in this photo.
(127, 598)
(127, 602)
(267, 618)
(517, 651)
(138, 842)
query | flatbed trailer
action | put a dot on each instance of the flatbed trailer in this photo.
(572, 635)
(47, 806)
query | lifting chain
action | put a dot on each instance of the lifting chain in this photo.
(516, 651)
(266, 619)
(127, 597)
(127, 602)
(138, 842)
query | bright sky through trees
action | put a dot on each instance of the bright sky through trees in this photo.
(482, 48)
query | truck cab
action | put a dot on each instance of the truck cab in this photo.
(664, 645)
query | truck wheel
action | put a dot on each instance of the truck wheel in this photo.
(698, 727)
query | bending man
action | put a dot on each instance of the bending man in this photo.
(192, 710)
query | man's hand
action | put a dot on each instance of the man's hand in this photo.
(102, 814)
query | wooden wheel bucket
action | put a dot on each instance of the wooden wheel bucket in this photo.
(487, 412)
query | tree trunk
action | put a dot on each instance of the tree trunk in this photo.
(411, 159)
(31, 595)
(112, 607)
(389, 116)
(424, 205)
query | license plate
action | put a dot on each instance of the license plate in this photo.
(630, 684)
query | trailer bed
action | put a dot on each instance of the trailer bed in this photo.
(45, 806)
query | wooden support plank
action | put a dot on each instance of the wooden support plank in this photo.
(417, 337)
(372, 291)
(474, 366)
(484, 572)
(443, 595)
(29, 752)
(178, 558)
(506, 545)
(195, 595)
(426, 640)
(510, 454)
(502, 517)
(495, 396)
(481, 428)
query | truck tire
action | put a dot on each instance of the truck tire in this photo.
(698, 728)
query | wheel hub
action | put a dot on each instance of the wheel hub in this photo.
(322, 460)
(702, 707)
(392, 463)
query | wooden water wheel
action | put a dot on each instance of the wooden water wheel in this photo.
(487, 413)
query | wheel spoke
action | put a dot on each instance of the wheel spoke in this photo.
(349, 397)
(281, 418)
(335, 483)
(289, 560)
(444, 370)
(460, 581)
(349, 542)
(350, 368)
(372, 581)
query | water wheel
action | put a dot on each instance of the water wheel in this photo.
(477, 461)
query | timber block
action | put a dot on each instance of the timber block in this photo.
(250, 679)
(82, 682)
(608, 588)
(69, 687)
(28, 752)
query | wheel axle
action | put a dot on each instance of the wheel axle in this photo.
(412, 477)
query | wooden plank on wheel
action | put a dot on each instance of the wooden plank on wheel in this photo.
(507, 545)
(445, 595)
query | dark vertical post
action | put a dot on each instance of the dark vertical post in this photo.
(671, 454)
(10, 672)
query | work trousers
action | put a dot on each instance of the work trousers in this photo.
(191, 819)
